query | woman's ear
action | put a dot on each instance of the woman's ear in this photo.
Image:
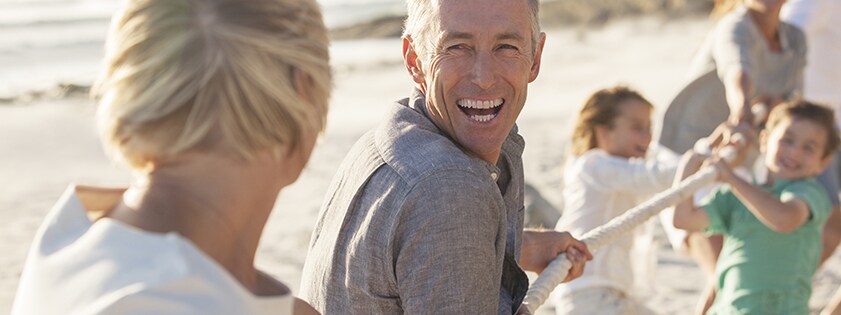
(303, 85)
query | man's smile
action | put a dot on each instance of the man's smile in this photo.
(479, 110)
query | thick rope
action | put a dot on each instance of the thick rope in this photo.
(557, 270)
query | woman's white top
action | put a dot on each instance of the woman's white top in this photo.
(599, 187)
(819, 20)
(76, 266)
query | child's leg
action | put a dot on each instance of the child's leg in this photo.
(704, 250)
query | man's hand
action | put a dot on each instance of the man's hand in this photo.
(541, 247)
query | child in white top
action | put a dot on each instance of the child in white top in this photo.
(607, 175)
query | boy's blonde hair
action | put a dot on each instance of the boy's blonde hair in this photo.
(180, 72)
(600, 110)
(821, 115)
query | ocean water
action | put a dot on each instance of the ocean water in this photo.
(44, 43)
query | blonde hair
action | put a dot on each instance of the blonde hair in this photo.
(180, 72)
(722, 7)
(423, 19)
(600, 110)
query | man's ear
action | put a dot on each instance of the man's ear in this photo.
(412, 62)
(538, 53)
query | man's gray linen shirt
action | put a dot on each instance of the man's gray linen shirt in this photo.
(411, 224)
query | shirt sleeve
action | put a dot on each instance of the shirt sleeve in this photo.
(447, 245)
(719, 205)
(638, 176)
(813, 194)
(732, 46)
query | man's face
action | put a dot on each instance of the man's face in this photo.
(475, 80)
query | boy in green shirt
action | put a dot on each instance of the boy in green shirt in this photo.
(773, 231)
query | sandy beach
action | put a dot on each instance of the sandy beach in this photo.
(50, 143)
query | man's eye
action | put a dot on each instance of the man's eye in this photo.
(457, 47)
(507, 46)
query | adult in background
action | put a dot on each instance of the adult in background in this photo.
(425, 215)
(749, 57)
(822, 78)
(216, 105)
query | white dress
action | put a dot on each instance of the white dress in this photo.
(76, 266)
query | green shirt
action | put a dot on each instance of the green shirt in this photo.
(761, 271)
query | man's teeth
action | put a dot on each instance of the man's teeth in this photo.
(482, 118)
(480, 104)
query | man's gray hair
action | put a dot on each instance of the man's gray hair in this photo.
(423, 18)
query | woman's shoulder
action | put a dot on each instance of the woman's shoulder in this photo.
(105, 266)
(736, 24)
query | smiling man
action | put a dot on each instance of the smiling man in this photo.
(426, 212)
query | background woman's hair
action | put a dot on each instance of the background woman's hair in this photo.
(180, 74)
(723, 7)
(600, 110)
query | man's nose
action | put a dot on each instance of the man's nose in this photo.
(483, 73)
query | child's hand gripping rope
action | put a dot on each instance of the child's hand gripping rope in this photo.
(558, 269)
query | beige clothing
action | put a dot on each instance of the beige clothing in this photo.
(735, 43)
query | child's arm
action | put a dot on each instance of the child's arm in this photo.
(782, 216)
(687, 216)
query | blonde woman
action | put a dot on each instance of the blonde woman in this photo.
(216, 104)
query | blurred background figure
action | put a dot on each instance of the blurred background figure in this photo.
(750, 57)
(822, 84)
(216, 105)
